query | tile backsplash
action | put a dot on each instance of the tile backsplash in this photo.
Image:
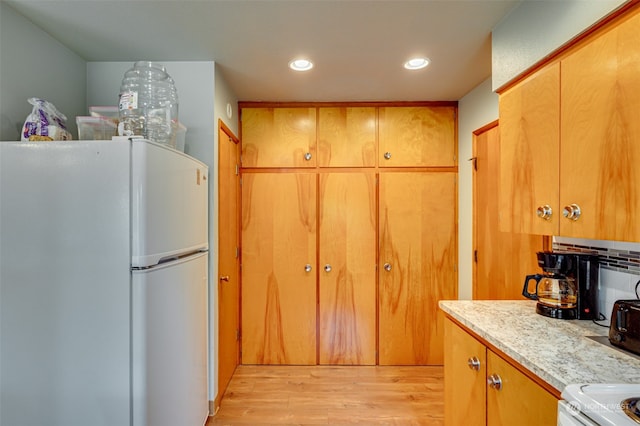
(619, 267)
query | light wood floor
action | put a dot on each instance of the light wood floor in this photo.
(319, 395)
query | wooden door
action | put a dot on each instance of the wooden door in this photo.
(600, 147)
(228, 257)
(529, 154)
(417, 264)
(278, 137)
(520, 401)
(278, 268)
(347, 136)
(347, 268)
(501, 259)
(420, 136)
(465, 388)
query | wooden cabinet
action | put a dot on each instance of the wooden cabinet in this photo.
(420, 136)
(316, 234)
(417, 265)
(278, 137)
(347, 268)
(517, 400)
(465, 388)
(600, 147)
(347, 136)
(529, 153)
(278, 288)
(570, 141)
(469, 367)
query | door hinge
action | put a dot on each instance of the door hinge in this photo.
(237, 334)
(475, 256)
(474, 163)
(237, 252)
(237, 169)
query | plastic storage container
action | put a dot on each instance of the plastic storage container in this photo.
(148, 104)
(110, 112)
(96, 128)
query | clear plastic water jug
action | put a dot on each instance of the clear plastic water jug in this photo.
(148, 104)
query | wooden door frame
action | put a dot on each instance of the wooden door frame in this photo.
(223, 128)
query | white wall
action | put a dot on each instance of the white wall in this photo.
(535, 28)
(32, 64)
(476, 109)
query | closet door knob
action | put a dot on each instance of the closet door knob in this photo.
(327, 268)
(387, 267)
(307, 156)
(307, 268)
(387, 156)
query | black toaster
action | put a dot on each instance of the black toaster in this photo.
(624, 331)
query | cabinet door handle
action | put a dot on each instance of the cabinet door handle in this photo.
(307, 156)
(327, 268)
(307, 268)
(225, 278)
(495, 382)
(387, 267)
(571, 212)
(544, 212)
(474, 363)
(387, 156)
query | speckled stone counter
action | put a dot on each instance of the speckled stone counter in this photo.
(560, 352)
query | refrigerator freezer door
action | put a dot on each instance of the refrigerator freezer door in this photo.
(169, 203)
(169, 343)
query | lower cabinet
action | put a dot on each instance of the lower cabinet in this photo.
(482, 388)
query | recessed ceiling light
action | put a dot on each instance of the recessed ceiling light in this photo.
(300, 65)
(416, 63)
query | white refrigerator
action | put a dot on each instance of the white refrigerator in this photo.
(103, 284)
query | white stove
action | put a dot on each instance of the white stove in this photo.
(600, 404)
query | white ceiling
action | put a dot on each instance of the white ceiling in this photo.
(358, 46)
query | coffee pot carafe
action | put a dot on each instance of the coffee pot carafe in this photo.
(553, 292)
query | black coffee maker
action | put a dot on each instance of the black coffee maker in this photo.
(568, 289)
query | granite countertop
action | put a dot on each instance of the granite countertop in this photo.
(560, 352)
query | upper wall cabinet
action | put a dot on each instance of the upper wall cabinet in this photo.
(347, 136)
(421, 136)
(600, 147)
(278, 137)
(571, 141)
(529, 154)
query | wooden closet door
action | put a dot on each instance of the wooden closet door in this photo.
(420, 136)
(347, 268)
(417, 265)
(278, 288)
(347, 137)
(278, 137)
